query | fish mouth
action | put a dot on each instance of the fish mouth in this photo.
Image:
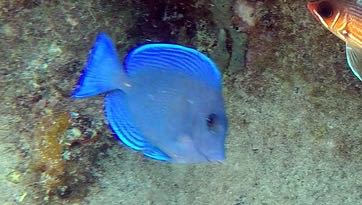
(209, 160)
(312, 7)
(214, 161)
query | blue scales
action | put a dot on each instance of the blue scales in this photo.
(165, 100)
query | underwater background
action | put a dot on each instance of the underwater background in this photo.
(294, 108)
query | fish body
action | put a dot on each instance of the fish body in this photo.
(344, 19)
(164, 100)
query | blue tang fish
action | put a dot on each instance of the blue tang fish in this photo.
(165, 100)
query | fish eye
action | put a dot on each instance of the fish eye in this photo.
(325, 9)
(211, 122)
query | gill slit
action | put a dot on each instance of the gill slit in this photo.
(336, 19)
(352, 38)
(341, 31)
(342, 28)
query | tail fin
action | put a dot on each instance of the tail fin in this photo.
(103, 70)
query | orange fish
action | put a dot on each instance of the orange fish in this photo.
(344, 19)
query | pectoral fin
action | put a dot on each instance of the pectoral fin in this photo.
(354, 60)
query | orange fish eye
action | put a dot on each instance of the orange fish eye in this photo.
(325, 9)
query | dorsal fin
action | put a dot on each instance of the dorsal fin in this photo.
(175, 58)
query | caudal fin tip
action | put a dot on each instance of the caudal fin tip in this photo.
(102, 35)
(75, 94)
(84, 92)
(103, 38)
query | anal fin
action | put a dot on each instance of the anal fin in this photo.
(156, 153)
(121, 123)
